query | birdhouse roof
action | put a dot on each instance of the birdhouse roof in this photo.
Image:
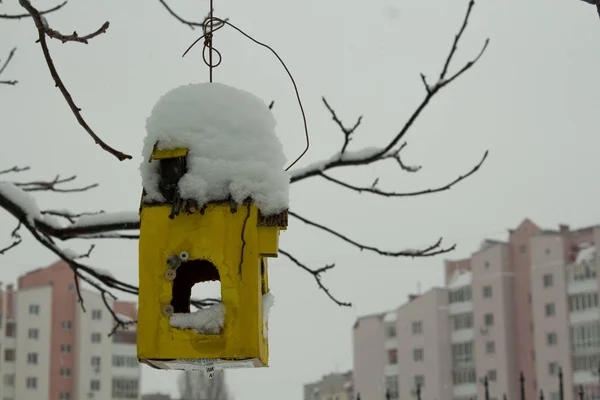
(233, 151)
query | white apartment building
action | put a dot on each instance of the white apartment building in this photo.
(50, 349)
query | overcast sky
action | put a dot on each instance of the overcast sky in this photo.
(532, 101)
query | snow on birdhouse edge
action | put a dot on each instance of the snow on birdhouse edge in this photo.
(233, 149)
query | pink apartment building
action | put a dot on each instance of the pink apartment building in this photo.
(51, 349)
(526, 305)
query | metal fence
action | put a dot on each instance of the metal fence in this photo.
(578, 391)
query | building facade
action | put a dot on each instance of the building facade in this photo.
(336, 386)
(528, 305)
(51, 349)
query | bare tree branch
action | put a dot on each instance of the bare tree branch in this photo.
(43, 31)
(316, 273)
(430, 251)
(374, 190)
(3, 67)
(15, 169)
(20, 16)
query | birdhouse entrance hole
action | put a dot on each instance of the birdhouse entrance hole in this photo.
(200, 275)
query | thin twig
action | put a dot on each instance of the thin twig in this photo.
(3, 67)
(191, 24)
(316, 273)
(14, 169)
(20, 16)
(346, 131)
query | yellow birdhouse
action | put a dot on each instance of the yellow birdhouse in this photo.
(214, 201)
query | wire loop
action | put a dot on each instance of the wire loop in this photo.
(208, 28)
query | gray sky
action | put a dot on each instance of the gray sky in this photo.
(531, 101)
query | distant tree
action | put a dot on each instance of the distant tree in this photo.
(50, 227)
(196, 385)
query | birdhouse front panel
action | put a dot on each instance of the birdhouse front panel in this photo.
(216, 243)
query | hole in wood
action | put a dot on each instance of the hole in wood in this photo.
(202, 276)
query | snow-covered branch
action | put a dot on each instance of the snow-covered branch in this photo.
(45, 31)
(391, 149)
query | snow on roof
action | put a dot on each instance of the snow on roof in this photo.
(390, 316)
(460, 279)
(586, 253)
(233, 148)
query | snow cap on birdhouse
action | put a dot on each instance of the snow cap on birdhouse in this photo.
(215, 198)
(233, 151)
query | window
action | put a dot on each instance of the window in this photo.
(32, 358)
(550, 310)
(96, 314)
(551, 338)
(391, 387)
(420, 381)
(65, 348)
(583, 301)
(11, 329)
(128, 337)
(95, 385)
(491, 375)
(487, 291)
(71, 287)
(390, 331)
(586, 363)
(66, 325)
(490, 347)
(523, 249)
(9, 355)
(96, 361)
(96, 337)
(64, 396)
(487, 264)
(488, 319)
(124, 388)
(548, 280)
(462, 354)
(418, 355)
(392, 356)
(34, 309)
(417, 327)
(9, 380)
(65, 372)
(460, 295)
(125, 361)
(552, 368)
(464, 376)
(586, 336)
(33, 333)
(462, 321)
(31, 382)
